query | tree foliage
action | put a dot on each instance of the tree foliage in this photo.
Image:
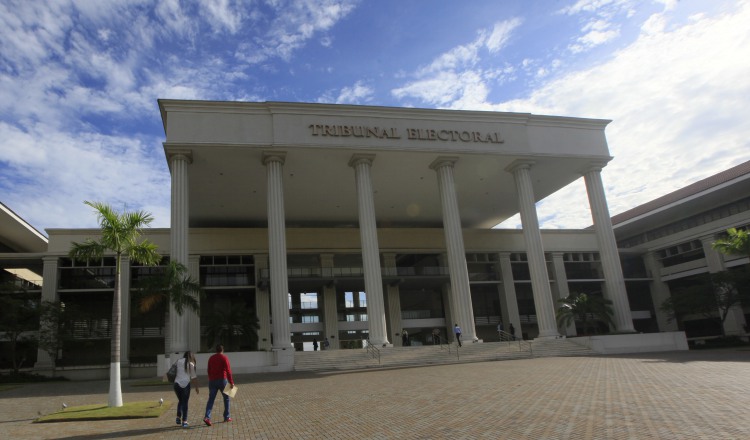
(711, 296)
(589, 310)
(121, 235)
(57, 327)
(19, 315)
(173, 286)
(234, 328)
(737, 242)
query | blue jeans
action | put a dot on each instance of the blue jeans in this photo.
(183, 395)
(216, 386)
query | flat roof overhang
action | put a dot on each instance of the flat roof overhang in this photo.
(19, 235)
(228, 182)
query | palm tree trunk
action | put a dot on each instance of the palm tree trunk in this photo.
(115, 389)
(167, 335)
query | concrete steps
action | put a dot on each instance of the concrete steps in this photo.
(435, 355)
(560, 348)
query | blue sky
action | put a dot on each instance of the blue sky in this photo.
(79, 82)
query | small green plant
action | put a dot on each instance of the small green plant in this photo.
(589, 310)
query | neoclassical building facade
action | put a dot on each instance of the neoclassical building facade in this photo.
(349, 223)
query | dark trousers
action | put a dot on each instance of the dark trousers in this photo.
(215, 387)
(458, 338)
(183, 395)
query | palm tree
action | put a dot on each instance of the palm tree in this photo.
(586, 309)
(233, 327)
(120, 234)
(737, 242)
(174, 286)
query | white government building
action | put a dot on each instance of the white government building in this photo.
(352, 223)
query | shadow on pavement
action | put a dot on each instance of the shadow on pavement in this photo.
(127, 434)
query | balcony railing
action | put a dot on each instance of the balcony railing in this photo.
(343, 272)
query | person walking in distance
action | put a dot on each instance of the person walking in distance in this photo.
(512, 331)
(219, 374)
(186, 375)
(457, 331)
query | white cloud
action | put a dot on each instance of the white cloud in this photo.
(679, 101)
(296, 21)
(596, 6)
(173, 18)
(53, 172)
(223, 15)
(501, 33)
(598, 32)
(454, 78)
(359, 93)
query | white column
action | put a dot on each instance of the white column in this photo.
(262, 304)
(330, 314)
(463, 312)
(509, 302)
(370, 249)
(605, 235)
(179, 161)
(714, 259)
(734, 323)
(545, 310)
(193, 319)
(125, 313)
(274, 162)
(659, 292)
(561, 285)
(49, 293)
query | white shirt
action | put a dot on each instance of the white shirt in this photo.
(183, 377)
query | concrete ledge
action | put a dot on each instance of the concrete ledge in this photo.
(241, 362)
(634, 343)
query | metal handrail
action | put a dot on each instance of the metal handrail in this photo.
(372, 350)
(450, 346)
(507, 337)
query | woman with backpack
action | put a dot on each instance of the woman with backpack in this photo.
(185, 376)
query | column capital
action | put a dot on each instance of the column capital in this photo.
(443, 161)
(183, 154)
(520, 164)
(361, 158)
(274, 156)
(595, 165)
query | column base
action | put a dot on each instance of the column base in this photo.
(549, 338)
(381, 344)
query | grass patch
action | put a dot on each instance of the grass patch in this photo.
(134, 410)
(8, 386)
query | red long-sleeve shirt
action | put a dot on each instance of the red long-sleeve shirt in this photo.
(218, 368)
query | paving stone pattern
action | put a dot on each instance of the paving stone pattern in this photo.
(681, 395)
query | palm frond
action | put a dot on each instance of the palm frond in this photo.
(88, 250)
(145, 253)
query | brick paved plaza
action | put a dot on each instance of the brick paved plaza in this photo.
(681, 395)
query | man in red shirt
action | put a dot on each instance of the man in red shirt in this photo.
(219, 374)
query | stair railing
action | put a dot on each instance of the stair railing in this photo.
(450, 347)
(511, 339)
(372, 350)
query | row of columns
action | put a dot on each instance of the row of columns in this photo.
(459, 295)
